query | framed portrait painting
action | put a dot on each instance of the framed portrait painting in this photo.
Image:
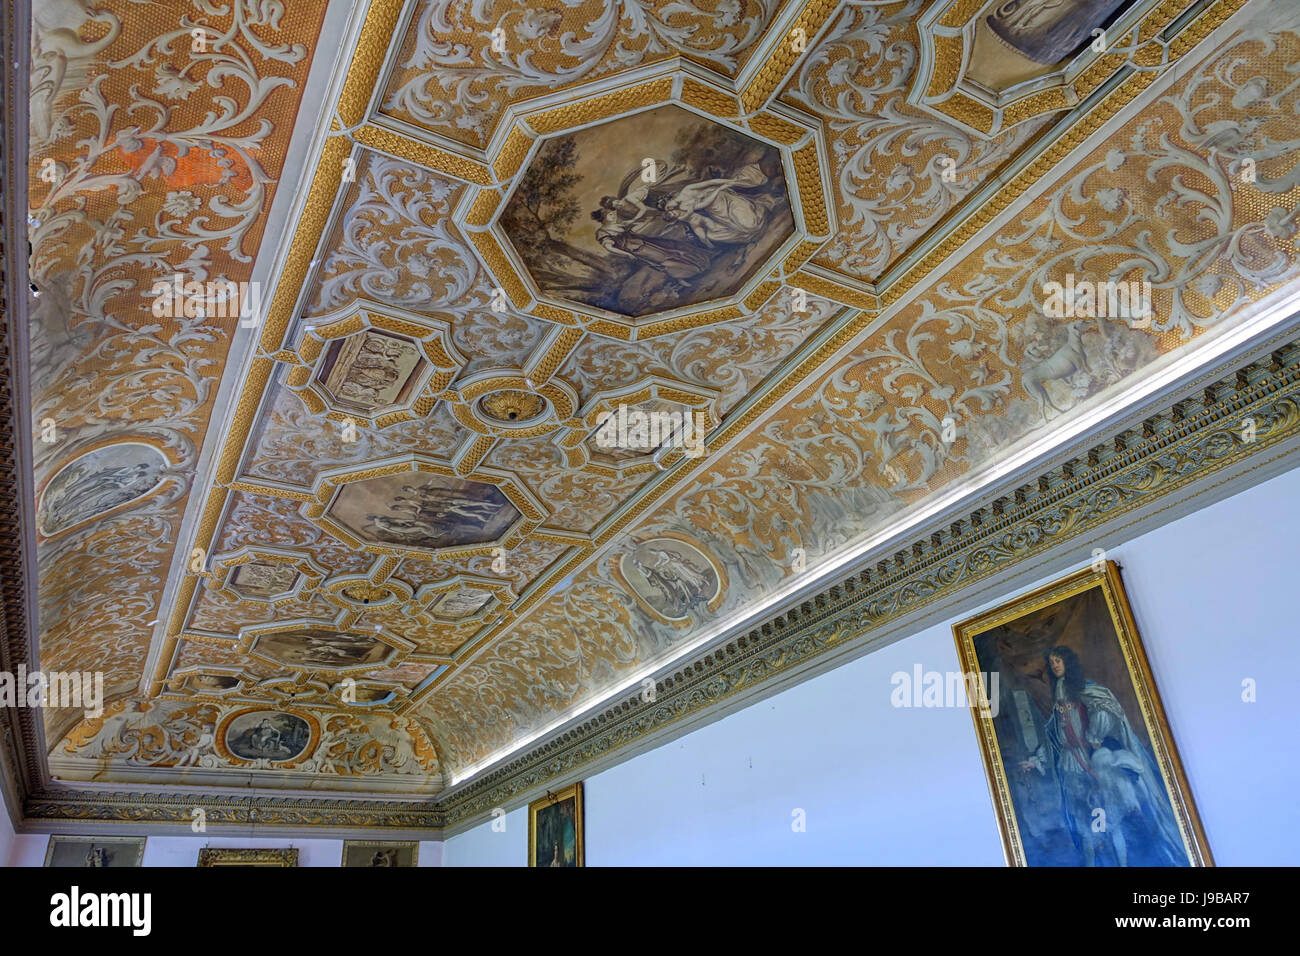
(555, 835)
(94, 851)
(1080, 760)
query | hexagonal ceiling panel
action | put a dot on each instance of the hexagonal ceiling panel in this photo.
(649, 212)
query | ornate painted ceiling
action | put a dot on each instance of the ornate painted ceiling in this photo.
(366, 534)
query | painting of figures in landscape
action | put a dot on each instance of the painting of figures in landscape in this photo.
(419, 510)
(555, 835)
(96, 482)
(649, 212)
(371, 854)
(1080, 760)
(267, 735)
(94, 851)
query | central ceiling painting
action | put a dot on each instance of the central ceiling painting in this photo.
(649, 213)
(424, 511)
(593, 329)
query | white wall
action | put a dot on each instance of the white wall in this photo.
(1214, 596)
(6, 834)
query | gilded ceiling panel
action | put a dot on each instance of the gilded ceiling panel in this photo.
(968, 371)
(157, 139)
(416, 514)
(460, 65)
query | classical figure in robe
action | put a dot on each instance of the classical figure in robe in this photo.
(729, 211)
(1102, 765)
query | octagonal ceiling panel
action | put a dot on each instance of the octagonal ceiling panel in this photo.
(648, 213)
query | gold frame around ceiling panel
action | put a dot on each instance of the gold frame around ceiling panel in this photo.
(432, 336)
(477, 216)
(532, 513)
(947, 34)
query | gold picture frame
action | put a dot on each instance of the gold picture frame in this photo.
(549, 820)
(1081, 771)
(220, 856)
(379, 853)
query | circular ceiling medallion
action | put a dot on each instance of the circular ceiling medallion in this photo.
(512, 407)
(366, 593)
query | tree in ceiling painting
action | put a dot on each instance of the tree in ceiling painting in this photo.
(649, 213)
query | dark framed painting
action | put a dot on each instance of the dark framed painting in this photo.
(94, 851)
(1080, 759)
(220, 856)
(555, 835)
(375, 853)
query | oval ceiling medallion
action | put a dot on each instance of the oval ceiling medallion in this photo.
(271, 735)
(91, 485)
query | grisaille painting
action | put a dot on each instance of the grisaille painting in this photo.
(670, 577)
(94, 851)
(460, 604)
(211, 683)
(267, 735)
(373, 853)
(555, 836)
(1080, 759)
(649, 212)
(421, 510)
(97, 482)
(319, 647)
(370, 370)
(264, 579)
(1018, 40)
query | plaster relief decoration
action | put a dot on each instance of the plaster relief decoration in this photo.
(263, 580)
(648, 213)
(370, 370)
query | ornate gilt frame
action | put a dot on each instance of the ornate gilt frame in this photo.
(579, 838)
(1139, 672)
(218, 856)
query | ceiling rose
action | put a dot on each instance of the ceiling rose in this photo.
(512, 407)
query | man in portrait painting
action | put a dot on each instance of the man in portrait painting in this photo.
(1108, 779)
